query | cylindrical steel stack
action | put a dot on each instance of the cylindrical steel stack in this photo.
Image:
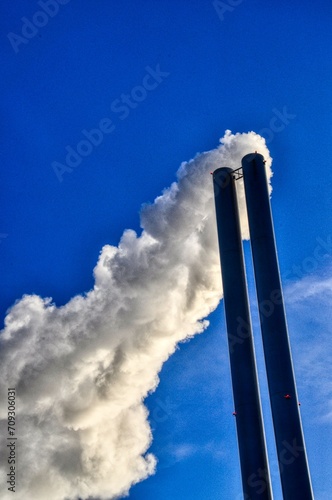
(293, 466)
(249, 421)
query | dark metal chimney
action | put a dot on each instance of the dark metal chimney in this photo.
(294, 470)
(248, 414)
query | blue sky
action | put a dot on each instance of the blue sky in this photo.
(253, 66)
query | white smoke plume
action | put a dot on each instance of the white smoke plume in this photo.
(82, 371)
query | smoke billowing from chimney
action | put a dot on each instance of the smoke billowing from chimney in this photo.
(82, 371)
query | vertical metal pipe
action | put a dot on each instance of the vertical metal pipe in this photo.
(294, 470)
(249, 423)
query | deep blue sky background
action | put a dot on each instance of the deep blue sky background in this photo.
(230, 73)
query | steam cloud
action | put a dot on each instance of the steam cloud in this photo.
(82, 371)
